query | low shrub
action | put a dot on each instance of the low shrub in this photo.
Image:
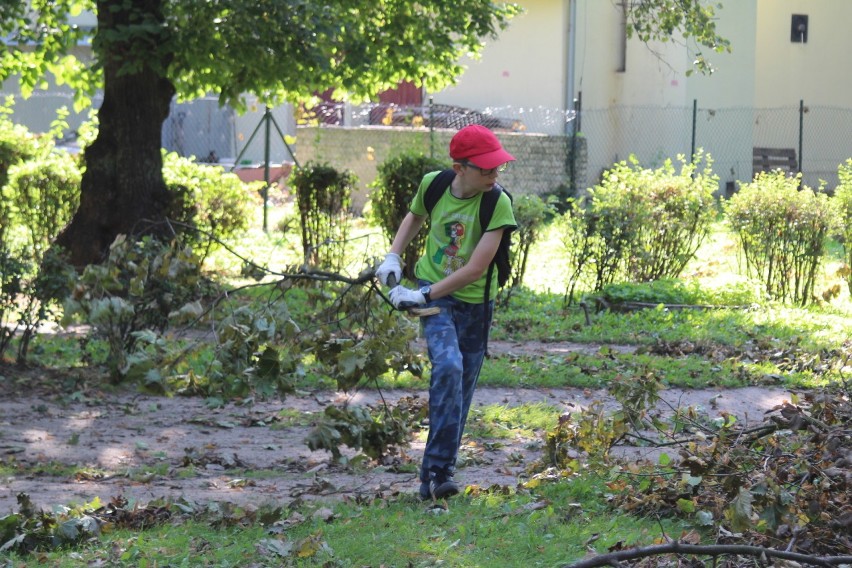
(396, 183)
(17, 144)
(781, 231)
(843, 204)
(639, 225)
(212, 205)
(669, 291)
(324, 198)
(41, 194)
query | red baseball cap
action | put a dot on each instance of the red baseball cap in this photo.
(479, 146)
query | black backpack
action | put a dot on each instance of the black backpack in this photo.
(486, 209)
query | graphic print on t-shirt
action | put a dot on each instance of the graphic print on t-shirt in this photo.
(447, 257)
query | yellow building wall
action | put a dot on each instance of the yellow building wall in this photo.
(612, 72)
(524, 68)
(816, 71)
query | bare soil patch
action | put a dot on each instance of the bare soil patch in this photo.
(136, 446)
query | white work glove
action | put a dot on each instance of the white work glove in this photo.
(391, 265)
(403, 298)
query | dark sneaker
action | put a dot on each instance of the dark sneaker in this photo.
(441, 488)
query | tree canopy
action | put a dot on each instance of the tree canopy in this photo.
(661, 20)
(144, 52)
(276, 49)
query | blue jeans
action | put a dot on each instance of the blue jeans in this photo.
(457, 339)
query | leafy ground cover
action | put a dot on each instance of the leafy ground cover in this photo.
(121, 457)
(594, 432)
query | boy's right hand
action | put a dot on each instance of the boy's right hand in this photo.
(391, 265)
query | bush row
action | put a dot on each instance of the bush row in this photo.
(637, 225)
(40, 193)
(643, 225)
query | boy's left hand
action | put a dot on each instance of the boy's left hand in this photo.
(402, 297)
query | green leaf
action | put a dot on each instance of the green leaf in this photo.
(9, 526)
(704, 518)
(692, 480)
(686, 505)
(740, 510)
(324, 437)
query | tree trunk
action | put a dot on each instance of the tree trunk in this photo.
(123, 191)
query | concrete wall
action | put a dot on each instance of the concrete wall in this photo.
(542, 162)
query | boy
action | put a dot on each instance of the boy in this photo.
(452, 275)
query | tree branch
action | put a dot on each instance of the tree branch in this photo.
(613, 558)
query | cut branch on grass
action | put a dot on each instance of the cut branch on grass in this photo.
(714, 550)
(603, 304)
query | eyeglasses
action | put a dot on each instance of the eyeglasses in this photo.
(500, 169)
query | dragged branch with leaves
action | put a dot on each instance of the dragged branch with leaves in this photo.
(782, 485)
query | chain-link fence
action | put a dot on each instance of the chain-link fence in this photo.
(816, 136)
(359, 138)
(538, 120)
(201, 128)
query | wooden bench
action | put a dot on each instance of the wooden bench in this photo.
(768, 159)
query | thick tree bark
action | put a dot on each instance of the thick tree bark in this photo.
(122, 190)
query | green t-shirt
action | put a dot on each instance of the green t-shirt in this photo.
(454, 232)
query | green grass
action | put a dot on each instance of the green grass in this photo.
(489, 530)
(551, 524)
(504, 421)
(581, 370)
(538, 312)
(542, 317)
(47, 469)
(557, 524)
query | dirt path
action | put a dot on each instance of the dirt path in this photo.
(136, 446)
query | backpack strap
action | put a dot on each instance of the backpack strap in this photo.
(436, 188)
(488, 205)
(486, 211)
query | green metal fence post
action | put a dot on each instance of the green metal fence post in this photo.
(801, 130)
(694, 122)
(267, 116)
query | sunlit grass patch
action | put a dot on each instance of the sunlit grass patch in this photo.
(597, 370)
(504, 421)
